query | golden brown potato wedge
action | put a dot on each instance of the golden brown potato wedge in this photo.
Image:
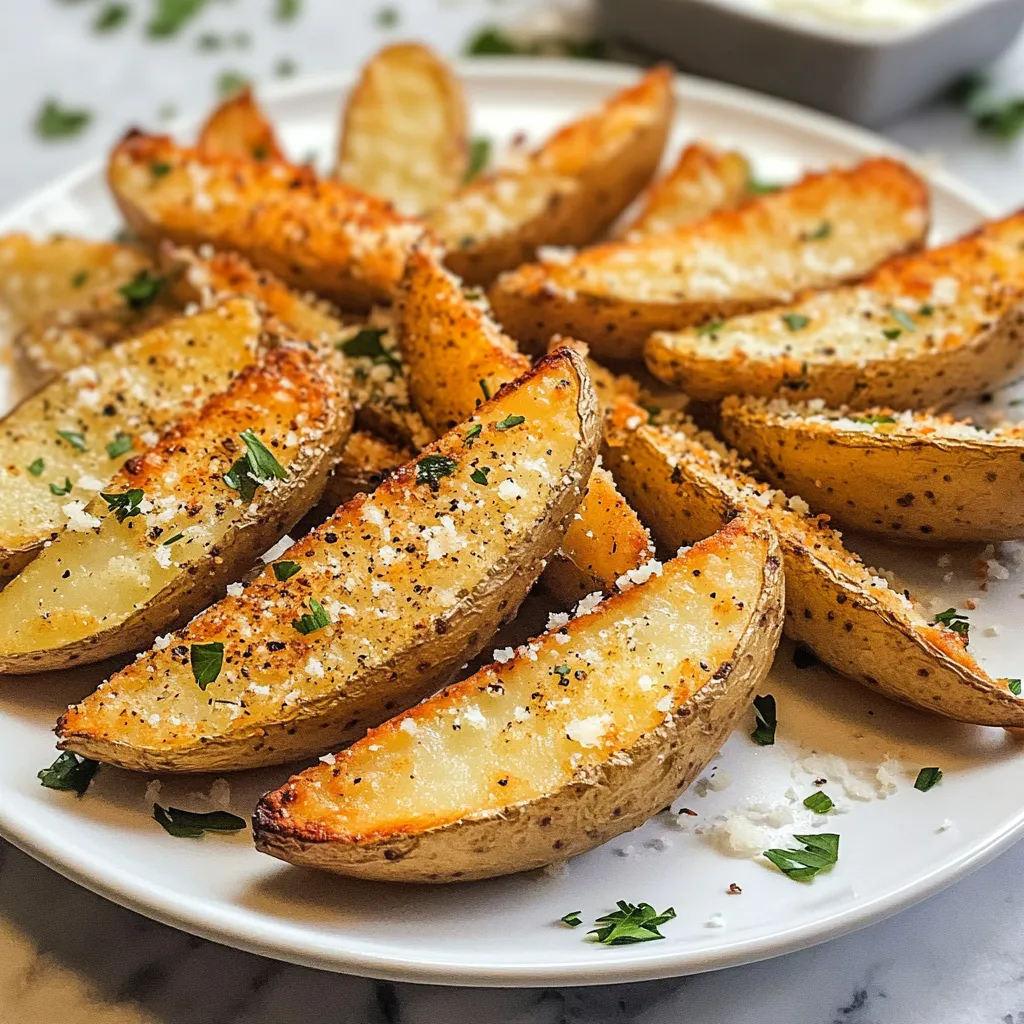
(317, 235)
(685, 485)
(391, 595)
(583, 735)
(178, 523)
(822, 231)
(704, 180)
(455, 356)
(567, 192)
(904, 475)
(238, 127)
(403, 133)
(366, 462)
(922, 332)
(61, 446)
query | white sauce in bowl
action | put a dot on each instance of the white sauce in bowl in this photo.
(869, 14)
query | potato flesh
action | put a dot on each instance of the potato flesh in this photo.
(239, 128)
(516, 732)
(148, 382)
(382, 567)
(88, 581)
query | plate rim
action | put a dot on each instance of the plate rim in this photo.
(291, 943)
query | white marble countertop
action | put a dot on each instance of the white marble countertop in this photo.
(69, 956)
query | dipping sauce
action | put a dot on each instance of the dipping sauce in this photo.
(869, 14)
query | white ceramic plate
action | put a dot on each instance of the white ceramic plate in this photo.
(505, 932)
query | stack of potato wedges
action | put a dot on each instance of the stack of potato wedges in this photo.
(442, 378)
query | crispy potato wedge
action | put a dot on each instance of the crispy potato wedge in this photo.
(392, 594)
(318, 235)
(403, 132)
(685, 485)
(704, 180)
(366, 462)
(169, 531)
(582, 736)
(61, 446)
(455, 356)
(904, 475)
(238, 127)
(567, 192)
(922, 332)
(822, 231)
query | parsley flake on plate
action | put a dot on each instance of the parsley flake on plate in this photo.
(192, 824)
(56, 122)
(206, 661)
(821, 852)
(926, 778)
(572, 919)
(171, 16)
(1013, 685)
(287, 10)
(230, 82)
(631, 923)
(69, 772)
(953, 620)
(819, 802)
(765, 720)
(110, 18)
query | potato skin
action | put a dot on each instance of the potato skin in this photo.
(201, 581)
(684, 492)
(913, 483)
(356, 695)
(598, 804)
(366, 462)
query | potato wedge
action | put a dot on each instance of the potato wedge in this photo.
(584, 735)
(318, 235)
(61, 446)
(455, 356)
(238, 127)
(170, 531)
(567, 192)
(392, 594)
(686, 485)
(822, 231)
(403, 132)
(705, 180)
(366, 462)
(904, 475)
(922, 332)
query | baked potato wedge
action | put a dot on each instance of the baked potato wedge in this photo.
(822, 231)
(705, 180)
(60, 447)
(318, 235)
(403, 132)
(177, 524)
(366, 462)
(567, 192)
(922, 332)
(686, 485)
(455, 356)
(382, 603)
(909, 476)
(239, 128)
(583, 735)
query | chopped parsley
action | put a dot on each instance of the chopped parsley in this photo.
(473, 432)
(258, 466)
(926, 310)
(765, 721)
(159, 169)
(36, 467)
(892, 333)
(308, 623)
(1013, 685)
(926, 778)
(762, 188)
(286, 570)
(387, 17)
(562, 670)
(229, 83)
(509, 422)
(79, 278)
(60, 489)
(631, 923)
(431, 468)
(69, 772)
(206, 661)
(56, 122)
(485, 389)
(492, 41)
(366, 343)
(121, 444)
(171, 16)
(285, 67)
(710, 328)
(1003, 118)
(823, 230)
(819, 802)
(572, 919)
(192, 824)
(110, 18)
(479, 157)
(287, 10)
(795, 321)
(903, 319)
(75, 439)
(881, 418)
(172, 540)
(479, 476)
(126, 505)
(820, 853)
(142, 289)
(952, 620)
